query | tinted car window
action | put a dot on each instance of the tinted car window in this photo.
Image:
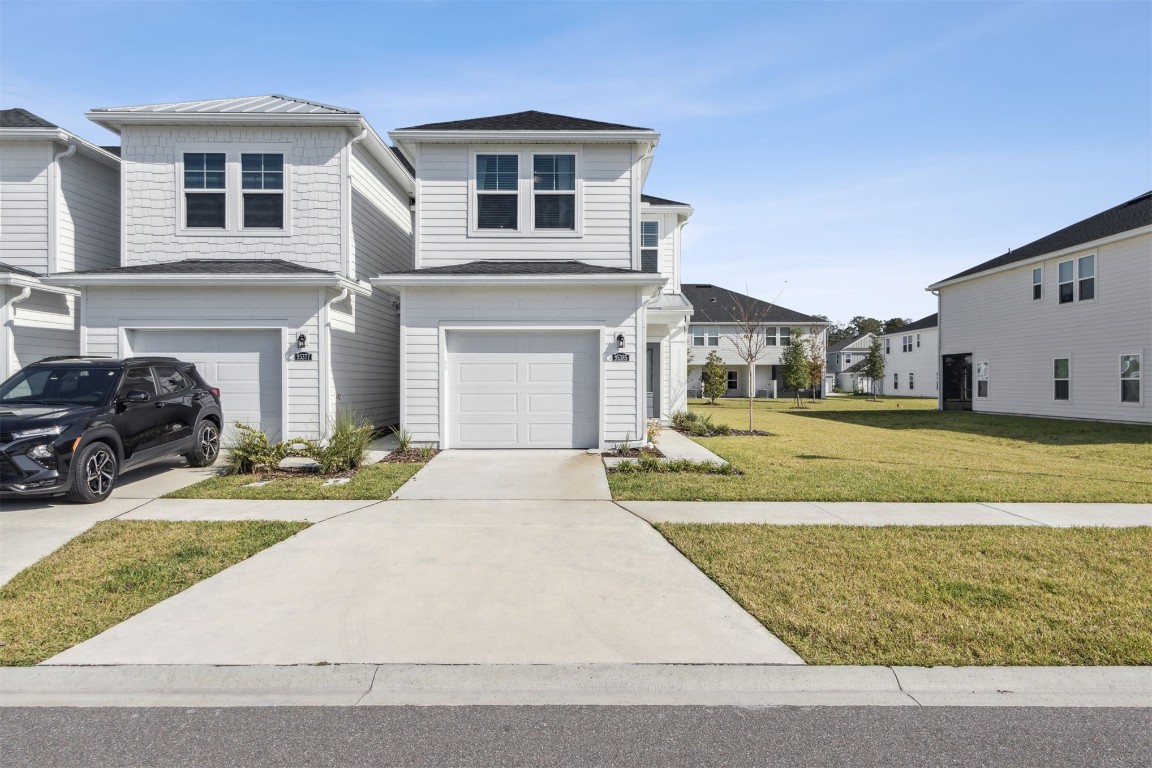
(59, 385)
(170, 380)
(138, 378)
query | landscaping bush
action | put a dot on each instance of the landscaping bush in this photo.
(252, 451)
(653, 464)
(345, 447)
(698, 425)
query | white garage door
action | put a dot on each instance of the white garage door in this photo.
(523, 390)
(244, 365)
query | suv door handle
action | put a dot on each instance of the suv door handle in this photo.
(161, 404)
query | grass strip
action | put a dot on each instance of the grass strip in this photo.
(376, 481)
(113, 571)
(960, 595)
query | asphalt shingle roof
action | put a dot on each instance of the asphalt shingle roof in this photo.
(1133, 214)
(544, 267)
(212, 267)
(403, 160)
(653, 200)
(714, 304)
(17, 270)
(22, 118)
(525, 121)
(845, 343)
(931, 321)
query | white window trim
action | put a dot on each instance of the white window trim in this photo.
(1075, 261)
(526, 202)
(911, 380)
(728, 380)
(1039, 268)
(1053, 380)
(1139, 389)
(233, 193)
(986, 375)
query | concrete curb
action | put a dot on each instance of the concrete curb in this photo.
(573, 684)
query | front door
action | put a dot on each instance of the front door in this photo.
(957, 382)
(652, 380)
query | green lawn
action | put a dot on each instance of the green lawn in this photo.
(376, 481)
(113, 571)
(937, 596)
(852, 449)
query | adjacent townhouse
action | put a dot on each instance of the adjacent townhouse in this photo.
(1060, 327)
(911, 359)
(59, 211)
(718, 318)
(251, 229)
(543, 309)
(846, 361)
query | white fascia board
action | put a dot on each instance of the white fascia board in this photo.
(683, 210)
(471, 281)
(114, 120)
(35, 283)
(334, 282)
(61, 136)
(386, 158)
(1044, 257)
(648, 138)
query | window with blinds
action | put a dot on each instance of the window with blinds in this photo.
(649, 246)
(554, 191)
(497, 201)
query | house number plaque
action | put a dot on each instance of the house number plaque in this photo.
(620, 357)
(302, 356)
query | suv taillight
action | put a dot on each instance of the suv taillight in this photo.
(215, 391)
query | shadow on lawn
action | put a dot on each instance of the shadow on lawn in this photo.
(1024, 428)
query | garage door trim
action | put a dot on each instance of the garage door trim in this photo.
(444, 399)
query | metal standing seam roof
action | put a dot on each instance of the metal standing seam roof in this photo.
(1132, 214)
(714, 304)
(530, 120)
(18, 117)
(272, 104)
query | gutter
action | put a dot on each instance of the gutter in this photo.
(335, 282)
(471, 281)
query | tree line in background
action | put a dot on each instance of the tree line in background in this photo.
(860, 325)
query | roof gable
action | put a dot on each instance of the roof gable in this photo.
(272, 104)
(653, 200)
(530, 120)
(862, 342)
(22, 118)
(713, 304)
(1133, 214)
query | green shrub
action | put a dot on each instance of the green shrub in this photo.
(252, 451)
(678, 466)
(698, 424)
(346, 445)
(403, 438)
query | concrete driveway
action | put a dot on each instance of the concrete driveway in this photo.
(465, 580)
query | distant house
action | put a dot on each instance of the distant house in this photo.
(1059, 327)
(59, 211)
(846, 359)
(715, 324)
(910, 359)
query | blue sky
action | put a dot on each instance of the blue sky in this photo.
(840, 156)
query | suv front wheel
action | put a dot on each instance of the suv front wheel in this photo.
(94, 471)
(207, 447)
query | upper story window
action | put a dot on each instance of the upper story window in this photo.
(917, 341)
(497, 185)
(649, 246)
(906, 343)
(1077, 279)
(554, 191)
(705, 335)
(233, 192)
(887, 346)
(1037, 283)
(847, 359)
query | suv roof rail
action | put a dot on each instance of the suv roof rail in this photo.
(152, 359)
(56, 358)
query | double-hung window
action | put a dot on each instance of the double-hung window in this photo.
(911, 381)
(895, 381)
(733, 380)
(1129, 378)
(649, 246)
(982, 379)
(887, 346)
(497, 185)
(917, 341)
(770, 335)
(847, 360)
(205, 185)
(554, 191)
(705, 336)
(1077, 279)
(906, 343)
(262, 183)
(1037, 283)
(1062, 379)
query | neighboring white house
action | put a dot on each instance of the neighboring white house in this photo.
(846, 359)
(911, 360)
(716, 326)
(1060, 327)
(251, 228)
(59, 211)
(544, 308)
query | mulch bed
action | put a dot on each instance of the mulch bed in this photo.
(634, 453)
(411, 456)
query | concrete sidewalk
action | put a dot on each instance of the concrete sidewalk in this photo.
(574, 684)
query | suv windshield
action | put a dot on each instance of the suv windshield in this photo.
(71, 384)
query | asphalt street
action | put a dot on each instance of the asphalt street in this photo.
(584, 737)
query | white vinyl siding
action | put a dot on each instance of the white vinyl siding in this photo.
(88, 218)
(984, 316)
(24, 204)
(917, 362)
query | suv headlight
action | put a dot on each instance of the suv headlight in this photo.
(42, 451)
(41, 432)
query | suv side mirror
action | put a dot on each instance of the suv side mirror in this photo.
(136, 396)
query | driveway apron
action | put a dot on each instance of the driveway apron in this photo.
(473, 564)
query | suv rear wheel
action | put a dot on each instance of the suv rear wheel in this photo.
(207, 447)
(94, 471)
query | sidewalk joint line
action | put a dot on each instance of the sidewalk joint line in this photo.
(990, 505)
(830, 512)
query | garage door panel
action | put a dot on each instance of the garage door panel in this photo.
(523, 390)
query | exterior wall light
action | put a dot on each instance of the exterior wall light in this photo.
(301, 340)
(620, 341)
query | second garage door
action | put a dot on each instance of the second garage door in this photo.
(523, 390)
(244, 365)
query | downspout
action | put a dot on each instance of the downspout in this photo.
(10, 330)
(326, 370)
(57, 193)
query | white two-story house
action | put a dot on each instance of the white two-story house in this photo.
(718, 319)
(1060, 327)
(846, 361)
(59, 211)
(543, 309)
(250, 230)
(911, 359)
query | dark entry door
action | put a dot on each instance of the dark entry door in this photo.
(957, 383)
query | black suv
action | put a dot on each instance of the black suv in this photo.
(72, 424)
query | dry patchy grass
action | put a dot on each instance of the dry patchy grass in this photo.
(937, 596)
(376, 481)
(852, 449)
(113, 571)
